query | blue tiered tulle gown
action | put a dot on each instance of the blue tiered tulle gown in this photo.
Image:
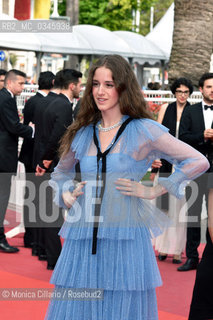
(124, 266)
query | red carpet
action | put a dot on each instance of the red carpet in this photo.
(22, 270)
(174, 297)
(24, 310)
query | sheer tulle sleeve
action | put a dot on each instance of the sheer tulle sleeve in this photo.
(188, 162)
(146, 140)
(62, 179)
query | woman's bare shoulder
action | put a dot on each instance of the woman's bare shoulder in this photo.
(162, 112)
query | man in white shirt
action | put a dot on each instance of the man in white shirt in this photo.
(196, 129)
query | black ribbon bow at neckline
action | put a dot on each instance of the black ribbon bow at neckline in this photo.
(103, 156)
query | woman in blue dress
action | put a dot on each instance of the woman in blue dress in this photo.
(108, 229)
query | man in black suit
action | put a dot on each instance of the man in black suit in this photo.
(38, 241)
(45, 83)
(77, 109)
(10, 130)
(59, 114)
(196, 130)
(2, 77)
(39, 144)
(56, 118)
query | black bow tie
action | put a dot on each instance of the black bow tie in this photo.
(206, 107)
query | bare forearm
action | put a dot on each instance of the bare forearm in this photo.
(133, 188)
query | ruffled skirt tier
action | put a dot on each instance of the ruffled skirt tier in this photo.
(116, 305)
(126, 271)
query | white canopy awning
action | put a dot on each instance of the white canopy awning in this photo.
(85, 39)
(143, 49)
(162, 33)
(103, 41)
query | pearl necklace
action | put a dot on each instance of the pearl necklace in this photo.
(100, 128)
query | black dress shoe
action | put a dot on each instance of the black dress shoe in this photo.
(162, 257)
(28, 244)
(176, 261)
(51, 266)
(42, 257)
(34, 251)
(190, 264)
(5, 247)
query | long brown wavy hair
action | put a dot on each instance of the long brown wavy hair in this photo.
(131, 100)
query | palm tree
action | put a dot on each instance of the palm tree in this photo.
(72, 11)
(192, 39)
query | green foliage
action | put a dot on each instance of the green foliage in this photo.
(160, 8)
(118, 14)
(112, 14)
(13, 59)
(62, 7)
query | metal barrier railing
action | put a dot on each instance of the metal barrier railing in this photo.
(154, 96)
(29, 91)
(160, 96)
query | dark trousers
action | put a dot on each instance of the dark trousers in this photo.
(52, 244)
(5, 184)
(201, 306)
(194, 199)
(50, 219)
(28, 220)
